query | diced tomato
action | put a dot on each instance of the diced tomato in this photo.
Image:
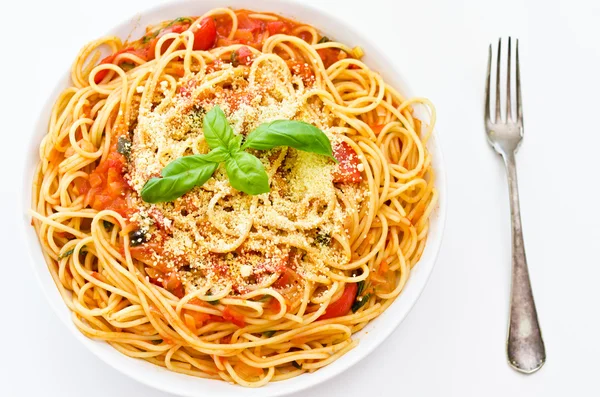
(341, 306)
(199, 318)
(247, 23)
(244, 36)
(273, 305)
(111, 59)
(283, 281)
(276, 27)
(329, 56)
(205, 36)
(243, 56)
(108, 187)
(377, 128)
(303, 70)
(234, 317)
(347, 171)
(82, 185)
(146, 251)
(170, 281)
(173, 284)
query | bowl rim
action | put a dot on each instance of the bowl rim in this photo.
(303, 381)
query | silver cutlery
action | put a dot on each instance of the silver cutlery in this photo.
(524, 347)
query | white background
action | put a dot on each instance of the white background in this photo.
(452, 343)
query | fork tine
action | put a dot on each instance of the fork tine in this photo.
(519, 103)
(509, 116)
(498, 116)
(487, 87)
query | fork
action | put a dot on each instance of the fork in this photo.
(524, 346)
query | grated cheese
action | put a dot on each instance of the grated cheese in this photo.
(196, 230)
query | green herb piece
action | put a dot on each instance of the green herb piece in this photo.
(150, 36)
(180, 20)
(323, 238)
(296, 134)
(157, 341)
(179, 177)
(213, 302)
(124, 146)
(360, 302)
(197, 116)
(296, 365)
(234, 58)
(108, 225)
(268, 334)
(360, 287)
(324, 39)
(127, 66)
(137, 237)
(66, 253)
(265, 298)
(153, 35)
(217, 131)
(70, 252)
(246, 173)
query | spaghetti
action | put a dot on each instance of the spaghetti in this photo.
(218, 283)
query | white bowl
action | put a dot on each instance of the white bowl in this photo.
(369, 338)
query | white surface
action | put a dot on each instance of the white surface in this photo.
(370, 337)
(452, 343)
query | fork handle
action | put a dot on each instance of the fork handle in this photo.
(524, 347)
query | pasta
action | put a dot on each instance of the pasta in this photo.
(219, 283)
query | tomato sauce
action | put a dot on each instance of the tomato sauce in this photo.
(214, 32)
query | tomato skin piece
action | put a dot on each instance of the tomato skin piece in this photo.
(253, 25)
(341, 306)
(151, 48)
(206, 35)
(347, 171)
(276, 27)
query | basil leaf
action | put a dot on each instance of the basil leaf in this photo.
(246, 173)
(296, 364)
(217, 131)
(268, 334)
(296, 134)
(179, 177)
(189, 163)
(324, 39)
(218, 155)
(235, 143)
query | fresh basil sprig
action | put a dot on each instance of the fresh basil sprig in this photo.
(245, 171)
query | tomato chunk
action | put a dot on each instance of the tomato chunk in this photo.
(108, 187)
(242, 56)
(205, 36)
(348, 167)
(341, 306)
(276, 27)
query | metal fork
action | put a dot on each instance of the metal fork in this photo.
(524, 346)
